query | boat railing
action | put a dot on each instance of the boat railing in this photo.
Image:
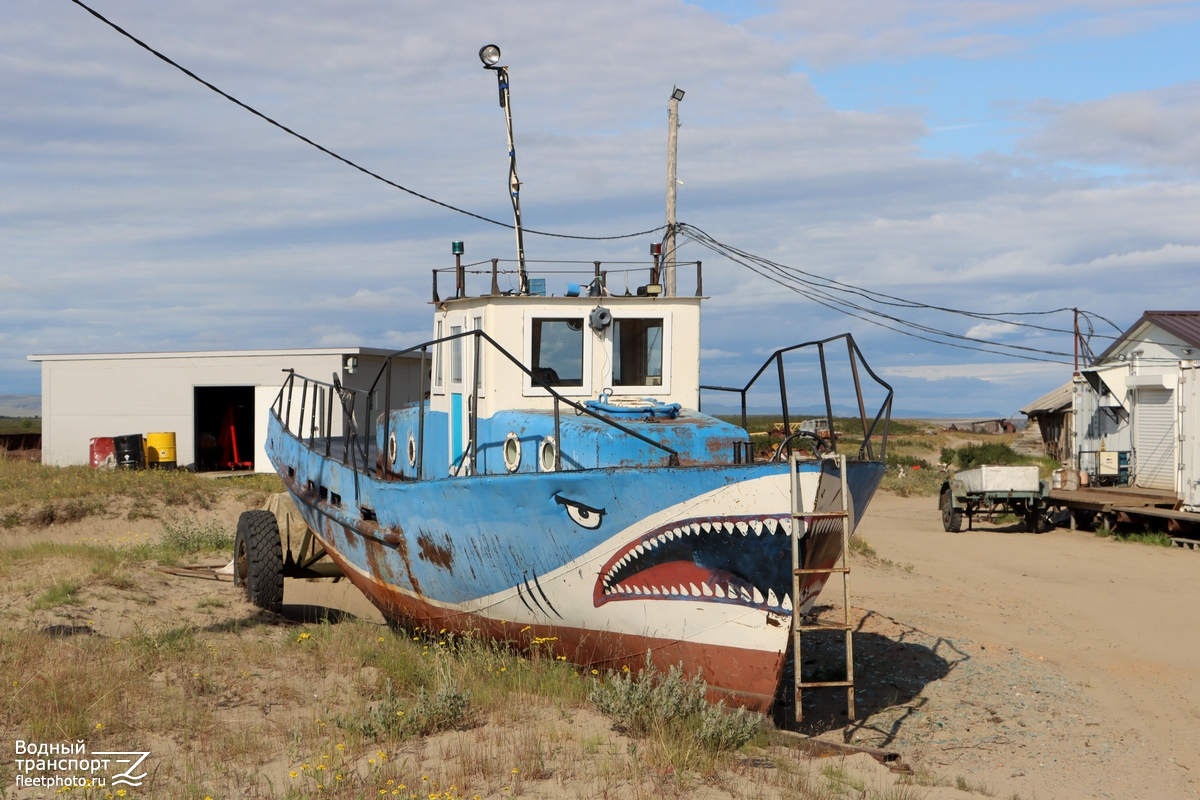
(315, 420)
(855, 356)
(599, 280)
(316, 417)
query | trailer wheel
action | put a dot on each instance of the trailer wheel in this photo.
(951, 517)
(258, 559)
(1036, 522)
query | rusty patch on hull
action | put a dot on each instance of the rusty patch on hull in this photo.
(436, 554)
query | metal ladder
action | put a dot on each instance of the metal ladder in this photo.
(801, 518)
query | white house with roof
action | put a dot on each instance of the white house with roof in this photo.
(1128, 407)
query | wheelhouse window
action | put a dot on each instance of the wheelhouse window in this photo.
(437, 359)
(638, 352)
(456, 355)
(557, 351)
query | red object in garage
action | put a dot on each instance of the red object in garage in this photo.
(101, 454)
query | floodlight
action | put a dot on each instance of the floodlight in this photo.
(675, 95)
(489, 54)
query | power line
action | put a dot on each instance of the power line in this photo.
(822, 282)
(331, 153)
(780, 275)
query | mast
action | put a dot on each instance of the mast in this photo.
(489, 54)
(672, 147)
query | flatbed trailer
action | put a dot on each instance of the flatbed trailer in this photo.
(1112, 506)
(991, 490)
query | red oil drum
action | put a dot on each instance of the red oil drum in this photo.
(101, 453)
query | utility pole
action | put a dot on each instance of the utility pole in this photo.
(1076, 310)
(489, 54)
(672, 148)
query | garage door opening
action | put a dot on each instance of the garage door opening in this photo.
(224, 428)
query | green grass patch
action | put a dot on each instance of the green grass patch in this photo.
(187, 537)
(671, 708)
(859, 545)
(20, 425)
(39, 495)
(63, 593)
(1144, 536)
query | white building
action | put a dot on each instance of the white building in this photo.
(195, 395)
(1127, 406)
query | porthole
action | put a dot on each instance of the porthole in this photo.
(412, 450)
(547, 454)
(392, 449)
(512, 452)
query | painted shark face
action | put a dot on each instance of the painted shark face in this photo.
(738, 560)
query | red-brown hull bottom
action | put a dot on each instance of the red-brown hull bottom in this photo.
(738, 676)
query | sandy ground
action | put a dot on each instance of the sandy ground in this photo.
(1072, 663)
(1042, 666)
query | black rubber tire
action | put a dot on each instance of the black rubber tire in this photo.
(258, 559)
(1036, 522)
(951, 517)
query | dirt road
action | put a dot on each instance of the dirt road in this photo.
(1072, 663)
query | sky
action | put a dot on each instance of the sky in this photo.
(1015, 156)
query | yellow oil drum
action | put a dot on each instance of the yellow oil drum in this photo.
(160, 450)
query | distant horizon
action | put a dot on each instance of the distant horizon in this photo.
(11, 405)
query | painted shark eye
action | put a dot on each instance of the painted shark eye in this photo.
(582, 515)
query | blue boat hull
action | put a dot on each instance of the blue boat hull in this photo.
(692, 564)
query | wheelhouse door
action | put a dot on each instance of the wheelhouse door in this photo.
(456, 383)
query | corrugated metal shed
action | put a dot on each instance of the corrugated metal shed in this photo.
(1056, 400)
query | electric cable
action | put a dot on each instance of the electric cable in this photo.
(334, 155)
(901, 331)
(701, 237)
(838, 304)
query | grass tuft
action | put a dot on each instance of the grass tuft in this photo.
(1145, 536)
(187, 537)
(63, 593)
(685, 733)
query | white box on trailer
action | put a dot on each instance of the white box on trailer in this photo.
(990, 478)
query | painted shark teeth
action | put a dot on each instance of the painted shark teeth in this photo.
(676, 544)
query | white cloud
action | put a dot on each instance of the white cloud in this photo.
(141, 211)
(1156, 129)
(991, 330)
(999, 373)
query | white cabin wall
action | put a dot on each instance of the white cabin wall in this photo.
(507, 319)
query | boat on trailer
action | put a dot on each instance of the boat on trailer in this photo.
(555, 482)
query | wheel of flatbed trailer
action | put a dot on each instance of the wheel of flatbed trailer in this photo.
(1036, 522)
(951, 517)
(258, 559)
